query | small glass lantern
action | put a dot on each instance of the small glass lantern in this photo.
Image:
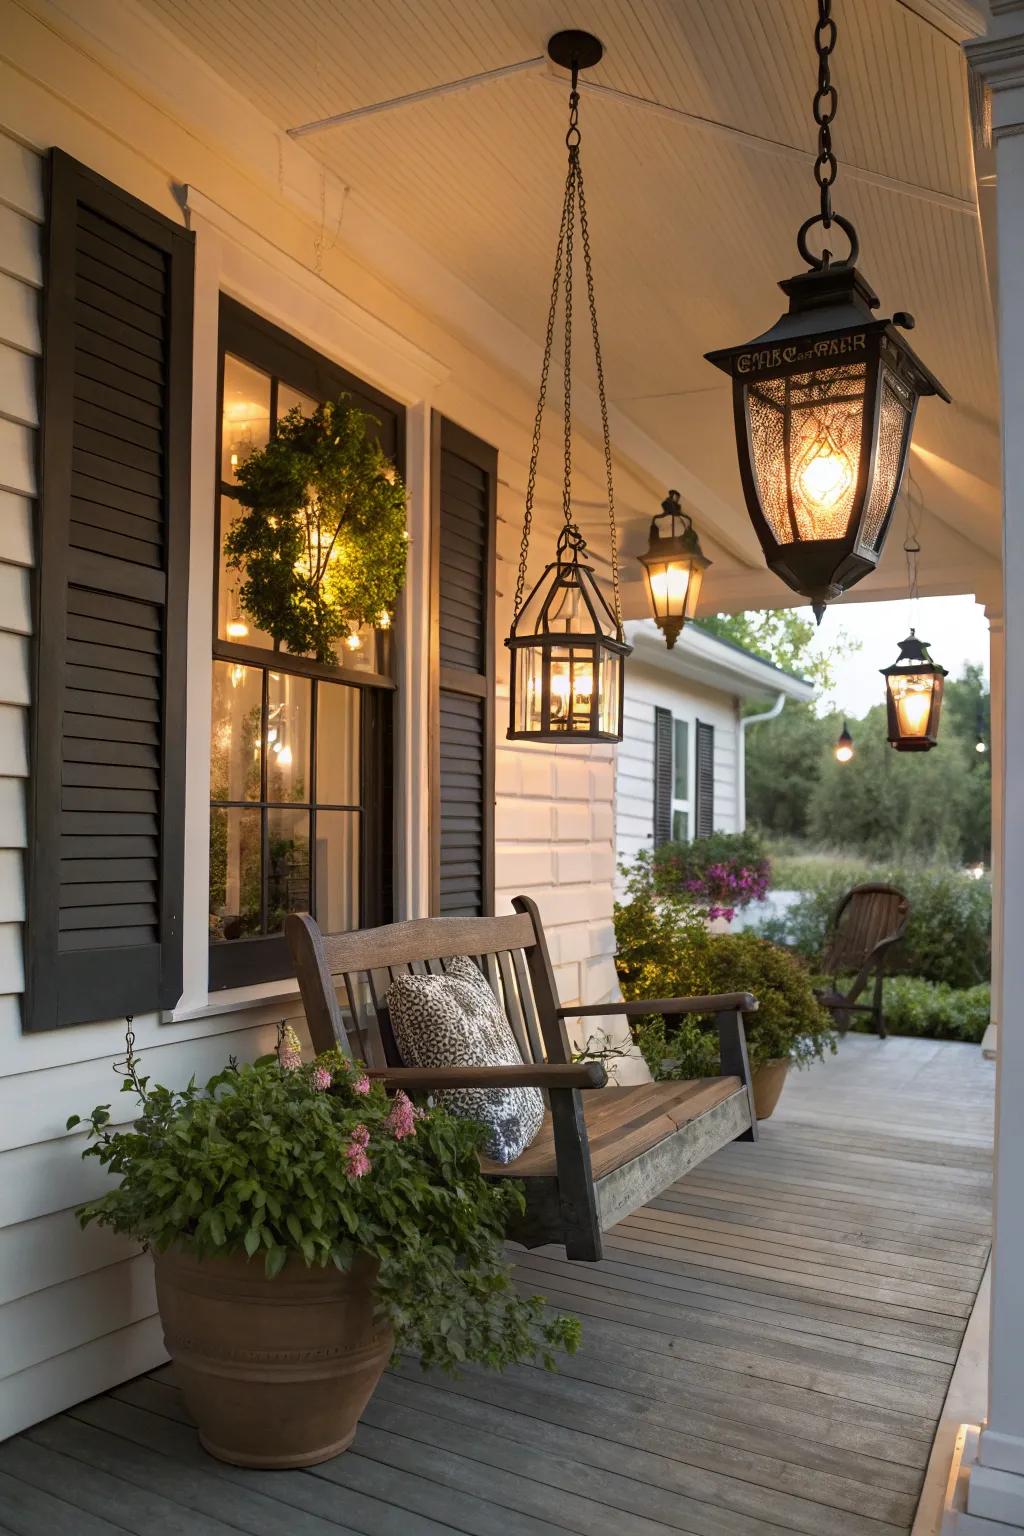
(674, 567)
(824, 406)
(844, 749)
(567, 652)
(914, 697)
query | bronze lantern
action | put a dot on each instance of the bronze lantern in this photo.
(913, 697)
(824, 402)
(674, 567)
(567, 653)
(567, 644)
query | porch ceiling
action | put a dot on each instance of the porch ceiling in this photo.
(694, 211)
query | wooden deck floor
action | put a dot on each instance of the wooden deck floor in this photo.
(767, 1349)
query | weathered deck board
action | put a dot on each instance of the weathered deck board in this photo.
(767, 1347)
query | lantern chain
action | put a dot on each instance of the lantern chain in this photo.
(826, 101)
(574, 194)
(912, 541)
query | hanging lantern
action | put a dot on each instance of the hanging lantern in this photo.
(844, 745)
(824, 401)
(566, 642)
(914, 697)
(674, 567)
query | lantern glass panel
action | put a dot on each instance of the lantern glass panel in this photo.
(611, 690)
(913, 694)
(572, 688)
(669, 583)
(890, 454)
(806, 437)
(529, 694)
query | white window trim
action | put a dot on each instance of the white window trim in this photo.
(233, 259)
(687, 804)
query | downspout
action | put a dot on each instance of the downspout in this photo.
(741, 767)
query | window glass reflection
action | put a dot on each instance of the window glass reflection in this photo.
(234, 874)
(288, 711)
(235, 734)
(246, 422)
(337, 870)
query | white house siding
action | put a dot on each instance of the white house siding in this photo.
(648, 688)
(77, 1310)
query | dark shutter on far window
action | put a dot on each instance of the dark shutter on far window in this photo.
(705, 778)
(462, 756)
(106, 846)
(663, 779)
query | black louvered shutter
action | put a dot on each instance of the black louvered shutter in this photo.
(663, 779)
(465, 486)
(107, 820)
(705, 777)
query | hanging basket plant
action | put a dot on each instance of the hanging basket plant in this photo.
(321, 545)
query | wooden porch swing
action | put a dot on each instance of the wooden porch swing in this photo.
(599, 1156)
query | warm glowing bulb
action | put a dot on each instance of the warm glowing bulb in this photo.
(825, 473)
(284, 757)
(237, 675)
(237, 630)
(669, 586)
(384, 619)
(234, 461)
(844, 754)
(354, 641)
(980, 745)
(914, 709)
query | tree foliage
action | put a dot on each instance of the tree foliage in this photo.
(322, 544)
(783, 637)
(884, 804)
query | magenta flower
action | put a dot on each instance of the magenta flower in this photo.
(401, 1120)
(361, 1085)
(321, 1079)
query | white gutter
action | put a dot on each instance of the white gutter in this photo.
(741, 766)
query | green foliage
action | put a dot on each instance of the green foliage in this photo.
(949, 935)
(783, 637)
(914, 1006)
(664, 949)
(263, 1162)
(884, 804)
(322, 545)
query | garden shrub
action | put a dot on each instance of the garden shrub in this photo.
(664, 949)
(914, 1006)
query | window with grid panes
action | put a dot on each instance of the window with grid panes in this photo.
(300, 759)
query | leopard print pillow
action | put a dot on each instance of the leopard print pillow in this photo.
(455, 1020)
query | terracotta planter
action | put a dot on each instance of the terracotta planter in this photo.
(769, 1082)
(276, 1373)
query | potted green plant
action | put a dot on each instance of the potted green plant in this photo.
(664, 949)
(304, 1227)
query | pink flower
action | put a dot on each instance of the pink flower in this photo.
(289, 1050)
(361, 1085)
(357, 1163)
(401, 1121)
(321, 1079)
(290, 1060)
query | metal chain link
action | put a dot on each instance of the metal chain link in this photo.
(564, 260)
(826, 102)
(602, 397)
(542, 395)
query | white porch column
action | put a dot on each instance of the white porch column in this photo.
(997, 764)
(993, 1498)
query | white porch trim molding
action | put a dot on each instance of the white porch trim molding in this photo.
(985, 1494)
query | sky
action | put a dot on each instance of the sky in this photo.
(955, 628)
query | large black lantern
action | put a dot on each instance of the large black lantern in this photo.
(674, 567)
(567, 654)
(566, 642)
(824, 402)
(913, 697)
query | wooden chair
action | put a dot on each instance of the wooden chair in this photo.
(869, 920)
(599, 1155)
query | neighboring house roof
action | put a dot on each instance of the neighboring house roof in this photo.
(704, 658)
